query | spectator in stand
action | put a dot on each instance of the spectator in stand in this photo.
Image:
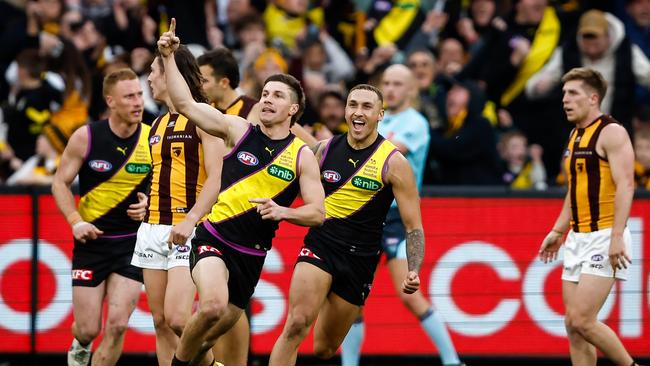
(479, 25)
(40, 168)
(235, 12)
(290, 23)
(522, 164)
(423, 65)
(269, 62)
(601, 44)
(331, 116)
(635, 14)
(511, 57)
(465, 151)
(30, 108)
(251, 36)
(642, 153)
(451, 57)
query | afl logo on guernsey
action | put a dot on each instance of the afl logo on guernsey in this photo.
(154, 139)
(331, 176)
(247, 158)
(100, 165)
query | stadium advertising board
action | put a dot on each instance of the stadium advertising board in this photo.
(481, 272)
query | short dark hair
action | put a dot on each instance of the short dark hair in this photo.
(30, 60)
(223, 64)
(330, 94)
(248, 20)
(370, 88)
(589, 77)
(298, 95)
(114, 77)
(189, 69)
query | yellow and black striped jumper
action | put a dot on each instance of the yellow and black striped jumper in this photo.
(357, 198)
(178, 171)
(114, 170)
(241, 106)
(356, 195)
(257, 167)
(591, 186)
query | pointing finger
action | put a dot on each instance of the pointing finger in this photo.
(172, 26)
(258, 200)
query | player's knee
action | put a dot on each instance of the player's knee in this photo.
(158, 320)
(212, 310)
(176, 323)
(324, 351)
(297, 325)
(85, 333)
(578, 323)
(116, 327)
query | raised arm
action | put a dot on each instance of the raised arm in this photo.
(71, 161)
(400, 176)
(211, 120)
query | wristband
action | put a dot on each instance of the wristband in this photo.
(557, 231)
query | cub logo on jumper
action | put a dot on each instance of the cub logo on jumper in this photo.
(137, 168)
(100, 165)
(366, 183)
(280, 172)
(247, 158)
(331, 176)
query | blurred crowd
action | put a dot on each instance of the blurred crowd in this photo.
(488, 71)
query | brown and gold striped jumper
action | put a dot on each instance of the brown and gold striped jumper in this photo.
(178, 170)
(591, 186)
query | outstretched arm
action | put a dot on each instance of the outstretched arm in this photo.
(400, 176)
(230, 128)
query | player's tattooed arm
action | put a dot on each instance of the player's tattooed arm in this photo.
(415, 249)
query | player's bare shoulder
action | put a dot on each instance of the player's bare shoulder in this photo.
(612, 137)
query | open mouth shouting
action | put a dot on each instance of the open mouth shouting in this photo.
(357, 125)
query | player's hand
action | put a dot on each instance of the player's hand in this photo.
(268, 209)
(550, 246)
(180, 233)
(618, 257)
(136, 211)
(83, 231)
(168, 42)
(411, 283)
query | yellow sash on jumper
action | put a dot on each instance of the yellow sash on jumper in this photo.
(544, 43)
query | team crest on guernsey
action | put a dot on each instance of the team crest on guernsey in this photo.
(154, 139)
(100, 165)
(247, 158)
(331, 176)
